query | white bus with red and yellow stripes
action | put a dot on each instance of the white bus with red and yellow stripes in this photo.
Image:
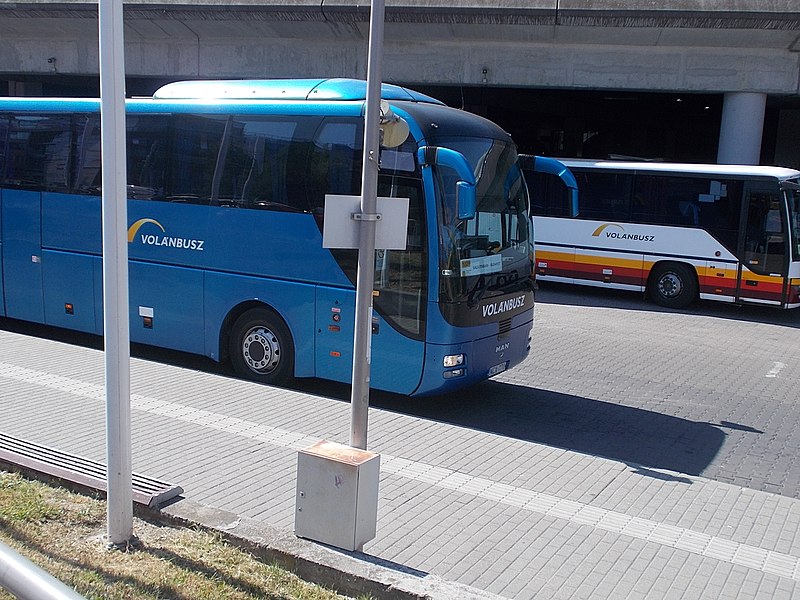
(677, 232)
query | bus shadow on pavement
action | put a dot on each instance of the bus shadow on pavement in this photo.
(573, 295)
(630, 435)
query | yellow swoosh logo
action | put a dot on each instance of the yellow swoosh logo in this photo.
(135, 227)
(602, 228)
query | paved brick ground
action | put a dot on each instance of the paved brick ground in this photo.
(709, 392)
(501, 510)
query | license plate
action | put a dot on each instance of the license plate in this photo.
(497, 369)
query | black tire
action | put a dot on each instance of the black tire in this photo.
(673, 285)
(261, 348)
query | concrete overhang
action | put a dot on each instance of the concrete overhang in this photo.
(525, 42)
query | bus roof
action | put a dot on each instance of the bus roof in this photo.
(284, 89)
(780, 173)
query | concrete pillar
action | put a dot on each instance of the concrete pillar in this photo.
(741, 128)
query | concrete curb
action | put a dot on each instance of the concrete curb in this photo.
(350, 573)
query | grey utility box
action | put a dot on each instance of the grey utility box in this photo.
(337, 495)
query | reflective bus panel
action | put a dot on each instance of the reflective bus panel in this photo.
(676, 231)
(227, 184)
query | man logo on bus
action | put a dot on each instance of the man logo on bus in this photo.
(621, 235)
(151, 239)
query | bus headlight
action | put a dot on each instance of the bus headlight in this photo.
(453, 360)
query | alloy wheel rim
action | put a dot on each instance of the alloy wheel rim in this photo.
(261, 350)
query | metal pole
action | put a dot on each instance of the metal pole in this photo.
(115, 274)
(362, 342)
(26, 581)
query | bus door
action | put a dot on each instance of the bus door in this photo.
(396, 362)
(22, 255)
(763, 248)
(335, 318)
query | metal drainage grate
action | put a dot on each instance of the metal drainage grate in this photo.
(68, 467)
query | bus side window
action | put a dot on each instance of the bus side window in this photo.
(3, 147)
(335, 161)
(604, 196)
(400, 275)
(550, 197)
(647, 196)
(195, 149)
(86, 167)
(147, 156)
(765, 242)
(722, 215)
(264, 163)
(38, 153)
(674, 199)
(772, 222)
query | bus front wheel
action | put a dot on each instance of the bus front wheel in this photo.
(673, 285)
(261, 347)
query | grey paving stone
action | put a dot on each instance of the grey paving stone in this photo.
(495, 522)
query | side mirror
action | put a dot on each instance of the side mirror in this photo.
(465, 199)
(465, 187)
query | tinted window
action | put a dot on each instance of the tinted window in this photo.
(711, 203)
(38, 152)
(720, 212)
(87, 170)
(401, 275)
(195, 151)
(335, 165)
(229, 160)
(265, 163)
(3, 145)
(550, 197)
(147, 156)
(793, 196)
(604, 196)
(670, 200)
(400, 159)
(765, 234)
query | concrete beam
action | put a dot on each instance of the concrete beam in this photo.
(694, 45)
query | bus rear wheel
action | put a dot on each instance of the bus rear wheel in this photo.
(673, 285)
(261, 347)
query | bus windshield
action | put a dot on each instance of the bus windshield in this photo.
(488, 254)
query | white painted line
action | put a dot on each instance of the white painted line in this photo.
(696, 542)
(775, 370)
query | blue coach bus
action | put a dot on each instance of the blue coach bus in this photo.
(226, 184)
